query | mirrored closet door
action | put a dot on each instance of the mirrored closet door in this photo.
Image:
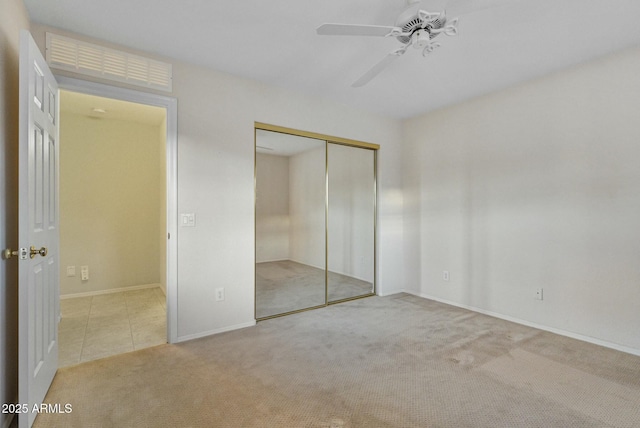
(351, 222)
(315, 221)
(290, 223)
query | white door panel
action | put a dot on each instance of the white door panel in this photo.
(38, 228)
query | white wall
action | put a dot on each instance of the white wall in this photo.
(272, 208)
(216, 115)
(111, 211)
(533, 187)
(13, 18)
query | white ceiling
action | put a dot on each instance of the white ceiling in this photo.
(500, 42)
(278, 144)
(90, 106)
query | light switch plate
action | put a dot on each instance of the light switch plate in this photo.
(71, 271)
(187, 220)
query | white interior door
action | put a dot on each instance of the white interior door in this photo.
(38, 228)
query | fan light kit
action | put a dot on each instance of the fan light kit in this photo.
(414, 27)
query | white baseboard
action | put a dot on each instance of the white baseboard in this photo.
(390, 293)
(272, 261)
(331, 271)
(111, 290)
(216, 331)
(558, 331)
(306, 264)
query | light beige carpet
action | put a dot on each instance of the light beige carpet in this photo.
(397, 361)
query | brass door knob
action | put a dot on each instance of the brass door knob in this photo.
(8, 253)
(33, 251)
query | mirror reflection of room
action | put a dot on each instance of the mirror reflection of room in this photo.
(290, 223)
(315, 207)
(351, 221)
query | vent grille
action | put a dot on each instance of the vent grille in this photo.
(68, 54)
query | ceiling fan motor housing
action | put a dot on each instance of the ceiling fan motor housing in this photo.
(410, 22)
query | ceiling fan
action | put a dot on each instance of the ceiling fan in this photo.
(414, 27)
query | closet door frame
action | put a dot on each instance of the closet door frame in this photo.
(328, 140)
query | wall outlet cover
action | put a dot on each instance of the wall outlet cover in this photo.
(84, 273)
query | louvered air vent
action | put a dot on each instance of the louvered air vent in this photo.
(69, 54)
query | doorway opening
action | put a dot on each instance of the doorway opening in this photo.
(114, 227)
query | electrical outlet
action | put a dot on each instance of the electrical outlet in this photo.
(84, 273)
(219, 294)
(539, 294)
(445, 275)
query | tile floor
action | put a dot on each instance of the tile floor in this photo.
(109, 324)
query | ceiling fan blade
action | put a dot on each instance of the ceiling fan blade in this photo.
(376, 69)
(355, 30)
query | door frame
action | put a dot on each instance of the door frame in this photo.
(171, 106)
